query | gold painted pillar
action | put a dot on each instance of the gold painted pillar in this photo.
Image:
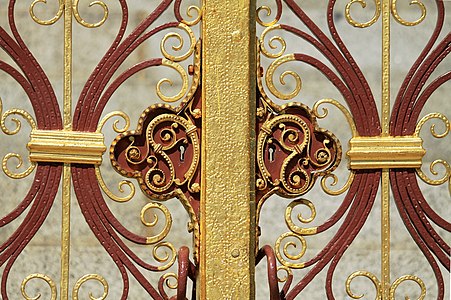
(228, 146)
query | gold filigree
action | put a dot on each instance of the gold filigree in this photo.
(27, 117)
(120, 187)
(187, 102)
(277, 38)
(327, 189)
(432, 169)
(75, 10)
(82, 280)
(167, 280)
(404, 278)
(181, 43)
(268, 11)
(400, 20)
(172, 62)
(362, 3)
(289, 217)
(49, 21)
(117, 129)
(368, 275)
(378, 285)
(182, 74)
(19, 158)
(149, 153)
(122, 183)
(17, 112)
(292, 152)
(155, 178)
(336, 192)
(161, 137)
(80, 19)
(270, 78)
(289, 140)
(192, 134)
(447, 174)
(300, 241)
(378, 11)
(195, 13)
(288, 273)
(155, 220)
(43, 277)
(338, 105)
(168, 257)
(431, 116)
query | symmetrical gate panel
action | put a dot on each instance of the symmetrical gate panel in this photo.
(161, 151)
(389, 150)
(212, 131)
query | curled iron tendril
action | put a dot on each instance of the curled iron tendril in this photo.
(75, 9)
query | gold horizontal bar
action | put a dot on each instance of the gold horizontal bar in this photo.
(385, 152)
(66, 146)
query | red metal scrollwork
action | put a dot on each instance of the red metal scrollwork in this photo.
(90, 106)
(349, 80)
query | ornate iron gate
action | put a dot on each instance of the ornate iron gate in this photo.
(223, 145)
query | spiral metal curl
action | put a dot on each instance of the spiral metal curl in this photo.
(75, 8)
(363, 4)
(289, 217)
(18, 125)
(282, 247)
(264, 9)
(378, 11)
(368, 275)
(43, 277)
(155, 220)
(82, 21)
(405, 278)
(50, 21)
(84, 279)
(270, 78)
(169, 255)
(447, 174)
(122, 183)
(324, 185)
(400, 20)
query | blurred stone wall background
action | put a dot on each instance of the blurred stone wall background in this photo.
(88, 256)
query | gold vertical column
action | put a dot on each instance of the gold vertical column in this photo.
(228, 147)
(67, 119)
(385, 118)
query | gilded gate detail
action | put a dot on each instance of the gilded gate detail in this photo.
(72, 147)
(161, 156)
(388, 150)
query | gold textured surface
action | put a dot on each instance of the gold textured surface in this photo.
(228, 148)
(385, 180)
(385, 152)
(13, 113)
(66, 146)
(45, 278)
(65, 232)
(86, 278)
(67, 120)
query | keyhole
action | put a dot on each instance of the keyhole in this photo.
(182, 153)
(271, 153)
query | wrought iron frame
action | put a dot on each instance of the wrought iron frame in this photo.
(225, 176)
